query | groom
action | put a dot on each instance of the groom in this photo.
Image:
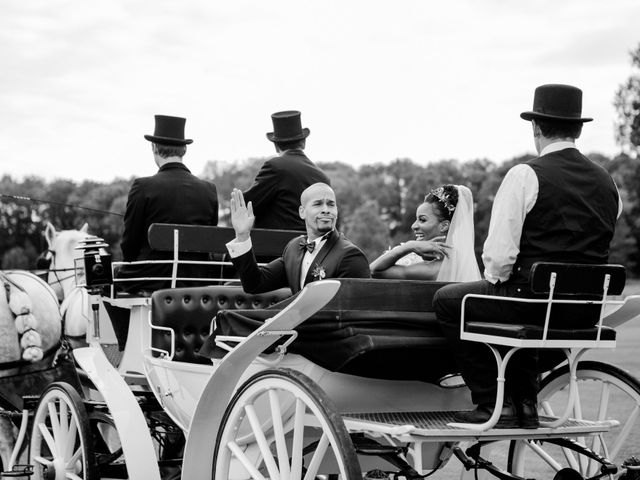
(558, 207)
(322, 253)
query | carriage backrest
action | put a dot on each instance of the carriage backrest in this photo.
(378, 328)
(577, 279)
(363, 306)
(213, 239)
(189, 313)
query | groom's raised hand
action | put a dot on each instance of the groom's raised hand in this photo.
(242, 217)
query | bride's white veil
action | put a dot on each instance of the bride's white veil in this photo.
(461, 264)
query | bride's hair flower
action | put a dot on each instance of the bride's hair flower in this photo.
(445, 199)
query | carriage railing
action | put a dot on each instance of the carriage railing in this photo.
(184, 239)
(173, 278)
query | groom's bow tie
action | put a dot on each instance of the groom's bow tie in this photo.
(309, 246)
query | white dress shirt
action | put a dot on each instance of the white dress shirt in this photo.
(516, 197)
(309, 257)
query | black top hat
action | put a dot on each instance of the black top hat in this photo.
(557, 102)
(169, 131)
(287, 127)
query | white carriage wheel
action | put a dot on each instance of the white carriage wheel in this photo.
(61, 446)
(280, 424)
(606, 392)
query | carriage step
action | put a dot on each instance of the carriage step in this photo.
(435, 426)
(18, 471)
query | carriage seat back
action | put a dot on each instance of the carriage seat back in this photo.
(577, 279)
(189, 313)
(191, 255)
(377, 328)
(167, 237)
(558, 283)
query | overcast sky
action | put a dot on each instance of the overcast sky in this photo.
(81, 80)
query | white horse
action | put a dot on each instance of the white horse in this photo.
(31, 316)
(62, 253)
(30, 328)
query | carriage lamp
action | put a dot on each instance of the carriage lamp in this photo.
(93, 269)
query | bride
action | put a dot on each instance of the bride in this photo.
(443, 248)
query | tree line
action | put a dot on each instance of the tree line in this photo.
(376, 203)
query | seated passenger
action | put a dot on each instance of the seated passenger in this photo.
(322, 253)
(443, 248)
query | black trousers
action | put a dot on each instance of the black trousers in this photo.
(476, 362)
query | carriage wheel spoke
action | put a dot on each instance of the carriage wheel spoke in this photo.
(51, 443)
(318, 456)
(246, 463)
(262, 442)
(298, 434)
(73, 476)
(625, 431)
(546, 408)
(278, 432)
(77, 455)
(549, 459)
(63, 420)
(597, 444)
(71, 439)
(43, 461)
(55, 417)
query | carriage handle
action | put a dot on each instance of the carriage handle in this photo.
(162, 351)
(281, 350)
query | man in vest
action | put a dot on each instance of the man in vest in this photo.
(558, 207)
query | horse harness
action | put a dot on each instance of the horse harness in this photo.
(20, 307)
(46, 261)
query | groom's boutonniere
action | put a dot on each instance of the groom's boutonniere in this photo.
(318, 272)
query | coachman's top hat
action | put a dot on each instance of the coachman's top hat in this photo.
(557, 102)
(287, 127)
(169, 131)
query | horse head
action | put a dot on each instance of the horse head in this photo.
(62, 254)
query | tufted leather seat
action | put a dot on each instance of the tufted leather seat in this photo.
(190, 311)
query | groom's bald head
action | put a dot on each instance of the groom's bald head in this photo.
(318, 209)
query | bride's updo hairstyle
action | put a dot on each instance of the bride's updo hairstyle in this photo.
(444, 199)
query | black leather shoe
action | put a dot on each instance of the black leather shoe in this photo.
(527, 411)
(483, 412)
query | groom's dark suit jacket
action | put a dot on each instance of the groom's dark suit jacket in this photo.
(338, 258)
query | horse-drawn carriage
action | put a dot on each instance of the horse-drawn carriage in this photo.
(347, 379)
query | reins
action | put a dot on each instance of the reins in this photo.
(63, 204)
(55, 270)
